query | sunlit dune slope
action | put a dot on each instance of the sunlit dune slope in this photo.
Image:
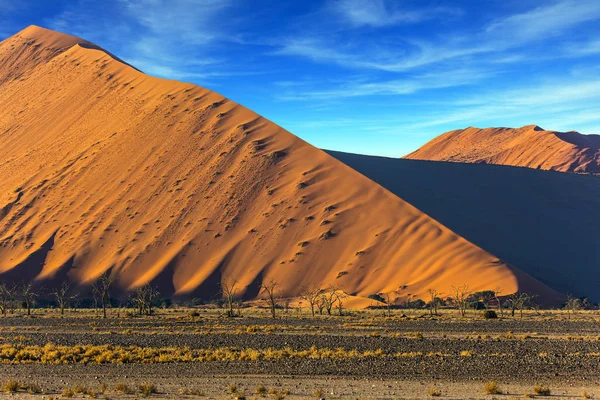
(104, 167)
(529, 146)
(544, 223)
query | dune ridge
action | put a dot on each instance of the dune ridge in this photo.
(529, 146)
(106, 168)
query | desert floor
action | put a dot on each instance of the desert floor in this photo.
(186, 353)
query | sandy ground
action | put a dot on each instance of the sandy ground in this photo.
(299, 387)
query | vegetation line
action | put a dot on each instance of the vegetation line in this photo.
(106, 354)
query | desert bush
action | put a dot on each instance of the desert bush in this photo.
(491, 387)
(123, 388)
(541, 390)
(68, 392)
(260, 389)
(490, 314)
(80, 389)
(32, 388)
(434, 392)
(233, 388)
(146, 389)
(11, 386)
(586, 395)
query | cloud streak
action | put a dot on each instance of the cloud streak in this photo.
(381, 13)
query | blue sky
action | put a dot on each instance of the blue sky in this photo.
(372, 77)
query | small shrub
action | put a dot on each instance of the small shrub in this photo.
(233, 388)
(32, 388)
(586, 395)
(492, 387)
(146, 389)
(11, 386)
(67, 393)
(542, 390)
(123, 388)
(318, 393)
(490, 314)
(79, 389)
(434, 392)
(260, 389)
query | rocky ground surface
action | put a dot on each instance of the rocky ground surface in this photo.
(456, 356)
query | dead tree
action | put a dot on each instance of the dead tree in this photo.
(28, 296)
(11, 295)
(229, 291)
(101, 288)
(497, 292)
(270, 290)
(340, 297)
(139, 299)
(144, 297)
(311, 295)
(320, 303)
(62, 296)
(434, 298)
(329, 298)
(460, 295)
(572, 305)
(518, 301)
(388, 304)
(3, 298)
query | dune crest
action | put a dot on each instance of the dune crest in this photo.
(160, 181)
(529, 146)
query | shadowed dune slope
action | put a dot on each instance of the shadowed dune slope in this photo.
(544, 223)
(529, 146)
(104, 167)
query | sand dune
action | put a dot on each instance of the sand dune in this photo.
(529, 146)
(544, 223)
(104, 167)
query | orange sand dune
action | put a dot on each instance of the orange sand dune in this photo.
(104, 167)
(529, 146)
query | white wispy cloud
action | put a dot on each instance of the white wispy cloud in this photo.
(191, 21)
(559, 104)
(406, 86)
(498, 36)
(380, 13)
(543, 22)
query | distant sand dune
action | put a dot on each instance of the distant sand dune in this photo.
(105, 168)
(529, 146)
(544, 223)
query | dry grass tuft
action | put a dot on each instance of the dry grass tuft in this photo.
(147, 389)
(434, 392)
(11, 386)
(260, 389)
(491, 387)
(542, 390)
(124, 388)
